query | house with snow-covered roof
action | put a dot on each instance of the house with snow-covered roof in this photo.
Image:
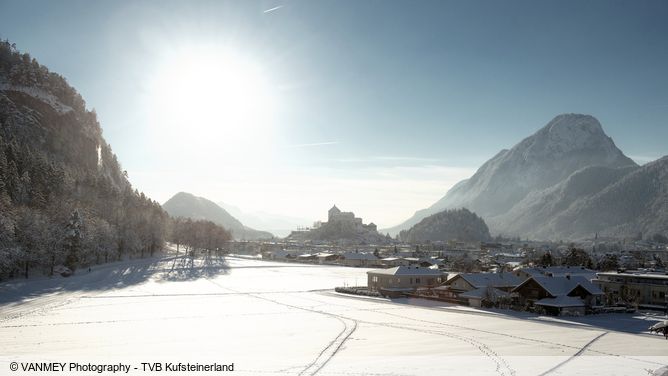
(359, 259)
(559, 295)
(306, 257)
(401, 279)
(326, 257)
(469, 281)
(281, 254)
(394, 261)
(476, 285)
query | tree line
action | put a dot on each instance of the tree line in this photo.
(196, 235)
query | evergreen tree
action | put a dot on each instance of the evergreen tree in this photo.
(72, 243)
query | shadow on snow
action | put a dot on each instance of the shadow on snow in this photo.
(117, 275)
(635, 323)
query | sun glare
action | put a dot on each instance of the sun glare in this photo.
(211, 96)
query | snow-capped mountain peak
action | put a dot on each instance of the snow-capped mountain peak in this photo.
(566, 144)
(568, 133)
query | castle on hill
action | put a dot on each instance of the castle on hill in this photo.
(342, 228)
(335, 215)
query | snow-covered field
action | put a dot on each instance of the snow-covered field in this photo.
(276, 318)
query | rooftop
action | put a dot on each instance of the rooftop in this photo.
(359, 256)
(557, 286)
(479, 280)
(407, 270)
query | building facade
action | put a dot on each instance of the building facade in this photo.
(403, 279)
(646, 289)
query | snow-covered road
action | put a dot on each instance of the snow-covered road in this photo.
(277, 318)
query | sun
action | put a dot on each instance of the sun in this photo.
(211, 96)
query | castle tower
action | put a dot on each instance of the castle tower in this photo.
(333, 212)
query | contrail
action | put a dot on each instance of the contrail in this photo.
(273, 9)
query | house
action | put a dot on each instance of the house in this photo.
(549, 293)
(307, 257)
(430, 262)
(280, 255)
(359, 259)
(506, 258)
(394, 261)
(466, 282)
(412, 260)
(395, 281)
(644, 288)
(326, 258)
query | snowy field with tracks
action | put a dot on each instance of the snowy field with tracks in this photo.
(279, 318)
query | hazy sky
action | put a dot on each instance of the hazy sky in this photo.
(377, 106)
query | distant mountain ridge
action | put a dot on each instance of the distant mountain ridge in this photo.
(636, 204)
(187, 205)
(555, 171)
(277, 224)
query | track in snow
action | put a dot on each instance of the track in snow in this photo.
(334, 346)
(580, 352)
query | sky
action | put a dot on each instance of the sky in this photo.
(379, 107)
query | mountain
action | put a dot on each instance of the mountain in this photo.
(456, 224)
(509, 187)
(187, 205)
(541, 207)
(635, 204)
(64, 198)
(277, 224)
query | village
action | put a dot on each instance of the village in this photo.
(543, 278)
(552, 290)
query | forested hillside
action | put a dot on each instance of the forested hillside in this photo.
(456, 224)
(64, 199)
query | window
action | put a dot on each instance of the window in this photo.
(417, 280)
